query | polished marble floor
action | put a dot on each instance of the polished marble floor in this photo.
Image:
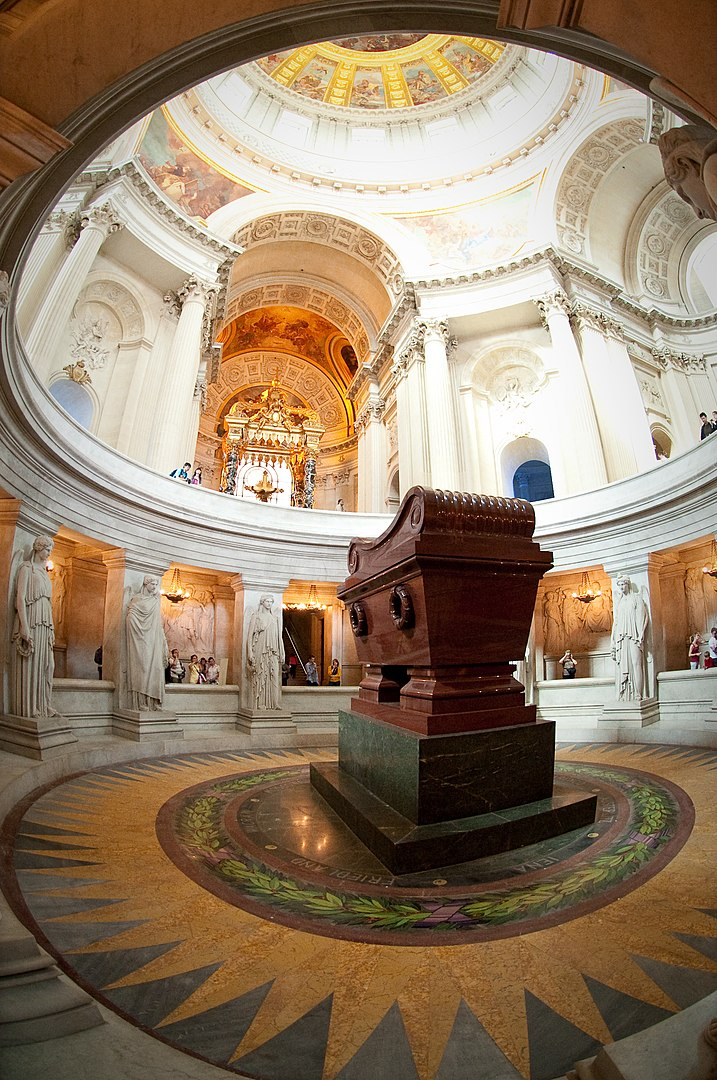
(215, 901)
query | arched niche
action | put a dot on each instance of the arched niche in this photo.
(517, 455)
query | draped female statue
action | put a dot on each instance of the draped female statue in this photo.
(147, 650)
(263, 653)
(33, 635)
(628, 642)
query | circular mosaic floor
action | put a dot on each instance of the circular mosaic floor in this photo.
(268, 843)
(215, 901)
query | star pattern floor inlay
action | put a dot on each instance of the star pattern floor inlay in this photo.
(214, 901)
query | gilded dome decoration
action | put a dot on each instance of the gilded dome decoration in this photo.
(389, 71)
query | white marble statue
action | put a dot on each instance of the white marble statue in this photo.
(147, 651)
(689, 158)
(263, 655)
(628, 641)
(33, 635)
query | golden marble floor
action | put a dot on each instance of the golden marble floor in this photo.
(279, 996)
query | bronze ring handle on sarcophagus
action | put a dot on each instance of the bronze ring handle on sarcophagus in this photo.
(358, 620)
(400, 605)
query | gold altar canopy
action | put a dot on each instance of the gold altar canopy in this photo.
(268, 431)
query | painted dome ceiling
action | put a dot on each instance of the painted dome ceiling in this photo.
(387, 71)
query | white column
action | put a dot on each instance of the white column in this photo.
(584, 465)
(473, 474)
(372, 454)
(47, 254)
(676, 370)
(620, 409)
(176, 404)
(49, 327)
(631, 402)
(145, 444)
(413, 456)
(199, 401)
(442, 439)
(133, 400)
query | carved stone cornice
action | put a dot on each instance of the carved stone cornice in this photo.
(567, 269)
(165, 209)
(405, 305)
(668, 359)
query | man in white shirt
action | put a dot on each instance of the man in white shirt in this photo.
(712, 646)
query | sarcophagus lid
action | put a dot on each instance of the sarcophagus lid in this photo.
(453, 580)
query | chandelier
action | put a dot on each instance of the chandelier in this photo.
(310, 604)
(711, 567)
(176, 591)
(585, 594)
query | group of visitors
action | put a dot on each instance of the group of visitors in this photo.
(707, 426)
(311, 668)
(199, 671)
(182, 473)
(710, 655)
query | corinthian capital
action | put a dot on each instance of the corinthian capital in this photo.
(436, 330)
(550, 303)
(104, 218)
(372, 412)
(195, 291)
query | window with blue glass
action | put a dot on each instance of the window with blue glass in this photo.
(533, 481)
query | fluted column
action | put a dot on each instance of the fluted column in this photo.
(677, 368)
(372, 455)
(145, 444)
(408, 372)
(49, 327)
(175, 407)
(46, 256)
(584, 465)
(620, 409)
(442, 435)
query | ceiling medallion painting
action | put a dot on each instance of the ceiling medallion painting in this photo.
(286, 329)
(388, 71)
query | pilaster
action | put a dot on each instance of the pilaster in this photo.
(372, 453)
(584, 463)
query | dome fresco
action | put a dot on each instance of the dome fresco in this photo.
(389, 71)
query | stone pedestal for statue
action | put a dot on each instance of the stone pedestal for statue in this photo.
(37, 737)
(275, 726)
(638, 713)
(151, 724)
(440, 759)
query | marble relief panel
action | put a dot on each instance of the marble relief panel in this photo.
(189, 625)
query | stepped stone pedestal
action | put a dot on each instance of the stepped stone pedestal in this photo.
(37, 737)
(440, 759)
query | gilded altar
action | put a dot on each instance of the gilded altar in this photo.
(267, 432)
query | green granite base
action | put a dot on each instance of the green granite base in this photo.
(405, 847)
(431, 778)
